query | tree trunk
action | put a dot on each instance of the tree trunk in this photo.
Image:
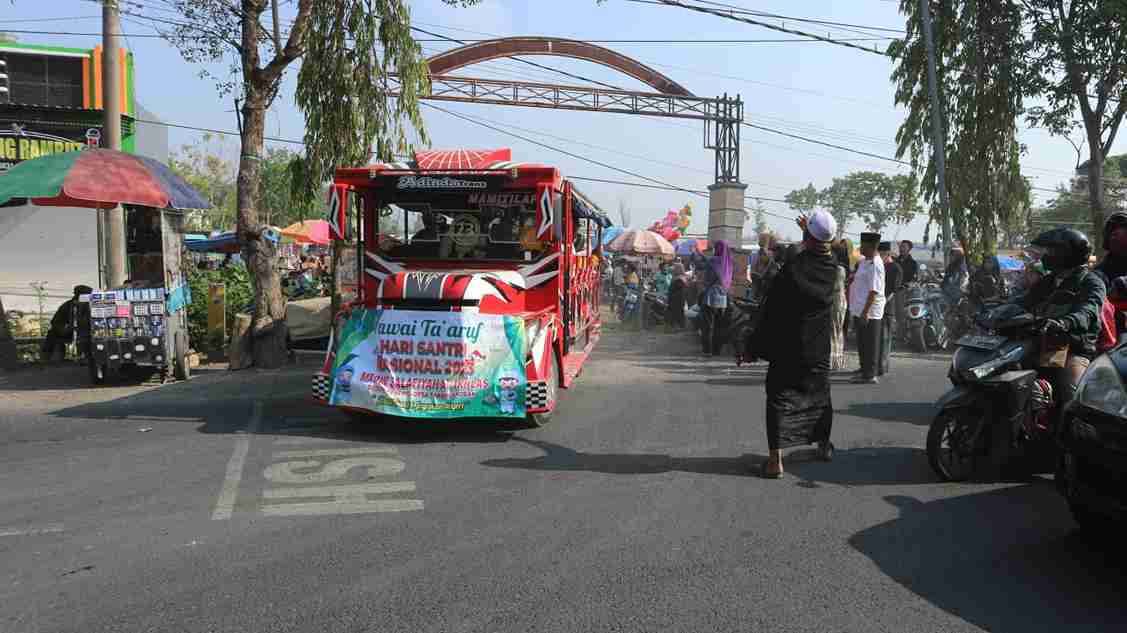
(268, 331)
(1096, 194)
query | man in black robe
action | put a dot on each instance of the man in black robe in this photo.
(794, 337)
(892, 279)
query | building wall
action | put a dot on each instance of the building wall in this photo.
(59, 244)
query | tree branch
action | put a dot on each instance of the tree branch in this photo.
(295, 44)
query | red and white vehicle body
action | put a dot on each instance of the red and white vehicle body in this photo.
(470, 230)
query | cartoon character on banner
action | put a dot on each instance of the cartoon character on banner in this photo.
(344, 380)
(506, 391)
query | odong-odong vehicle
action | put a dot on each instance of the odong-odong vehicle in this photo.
(999, 411)
(1092, 470)
(478, 288)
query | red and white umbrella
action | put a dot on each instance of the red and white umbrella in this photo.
(641, 242)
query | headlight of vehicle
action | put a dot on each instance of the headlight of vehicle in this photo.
(979, 372)
(1102, 389)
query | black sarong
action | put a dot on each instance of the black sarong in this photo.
(799, 408)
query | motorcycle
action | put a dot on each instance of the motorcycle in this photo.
(741, 326)
(999, 411)
(656, 306)
(926, 327)
(1092, 470)
(628, 308)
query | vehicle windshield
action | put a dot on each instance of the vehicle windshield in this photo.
(502, 229)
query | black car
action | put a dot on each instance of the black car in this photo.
(1092, 473)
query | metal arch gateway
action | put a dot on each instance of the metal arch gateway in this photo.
(722, 116)
(478, 52)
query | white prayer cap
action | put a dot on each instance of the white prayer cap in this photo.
(822, 226)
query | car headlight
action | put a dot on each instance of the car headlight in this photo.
(1102, 388)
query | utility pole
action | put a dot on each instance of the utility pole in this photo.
(114, 228)
(277, 29)
(938, 138)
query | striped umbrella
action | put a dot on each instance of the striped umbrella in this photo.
(98, 179)
(634, 242)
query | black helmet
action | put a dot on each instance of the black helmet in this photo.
(1064, 248)
(1117, 219)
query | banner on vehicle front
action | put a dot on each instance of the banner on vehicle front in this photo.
(424, 364)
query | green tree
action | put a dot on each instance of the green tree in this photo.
(760, 215)
(980, 47)
(803, 200)
(1080, 50)
(876, 198)
(203, 166)
(279, 206)
(351, 49)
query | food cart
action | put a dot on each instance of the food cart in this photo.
(145, 322)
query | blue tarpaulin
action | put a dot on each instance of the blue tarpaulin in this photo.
(221, 243)
(1005, 262)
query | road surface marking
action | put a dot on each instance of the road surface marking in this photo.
(284, 472)
(343, 490)
(230, 491)
(307, 440)
(332, 507)
(46, 529)
(325, 452)
(343, 474)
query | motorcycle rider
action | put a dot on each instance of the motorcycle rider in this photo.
(1070, 297)
(1114, 264)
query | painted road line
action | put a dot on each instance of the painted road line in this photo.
(46, 529)
(230, 491)
(343, 490)
(308, 440)
(286, 472)
(337, 507)
(329, 452)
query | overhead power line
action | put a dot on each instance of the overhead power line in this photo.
(747, 20)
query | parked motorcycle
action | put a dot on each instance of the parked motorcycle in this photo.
(656, 308)
(999, 411)
(925, 327)
(1092, 470)
(744, 318)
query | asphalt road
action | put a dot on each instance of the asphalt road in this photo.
(181, 508)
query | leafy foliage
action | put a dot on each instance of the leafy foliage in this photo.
(202, 165)
(979, 46)
(238, 295)
(876, 198)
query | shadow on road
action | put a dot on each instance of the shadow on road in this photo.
(562, 458)
(908, 412)
(1004, 560)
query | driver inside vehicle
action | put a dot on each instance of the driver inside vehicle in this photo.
(1069, 297)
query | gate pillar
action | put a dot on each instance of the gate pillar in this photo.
(726, 213)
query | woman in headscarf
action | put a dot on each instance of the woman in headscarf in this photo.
(714, 298)
(840, 308)
(676, 309)
(795, 338)
(847, 259)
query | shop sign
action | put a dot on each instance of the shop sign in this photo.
(424, 364)
(21, 144)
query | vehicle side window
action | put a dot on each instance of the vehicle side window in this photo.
(580, 240)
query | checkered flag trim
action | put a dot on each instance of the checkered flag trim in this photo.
(538, 395)
(321, 387)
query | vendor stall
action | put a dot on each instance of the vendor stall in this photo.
(144, 321)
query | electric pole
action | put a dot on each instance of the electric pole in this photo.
(111, 136)
(938, 138)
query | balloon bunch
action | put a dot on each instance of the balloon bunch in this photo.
(674, 222)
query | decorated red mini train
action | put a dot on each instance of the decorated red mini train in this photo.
(493, 237)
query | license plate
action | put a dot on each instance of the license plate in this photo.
(980, 341)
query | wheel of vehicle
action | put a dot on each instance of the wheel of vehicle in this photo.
(181, 368)
(919, 340)
(951, 446)
(538, 420)
(97, 372)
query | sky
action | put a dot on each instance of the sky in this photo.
(827, 92)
